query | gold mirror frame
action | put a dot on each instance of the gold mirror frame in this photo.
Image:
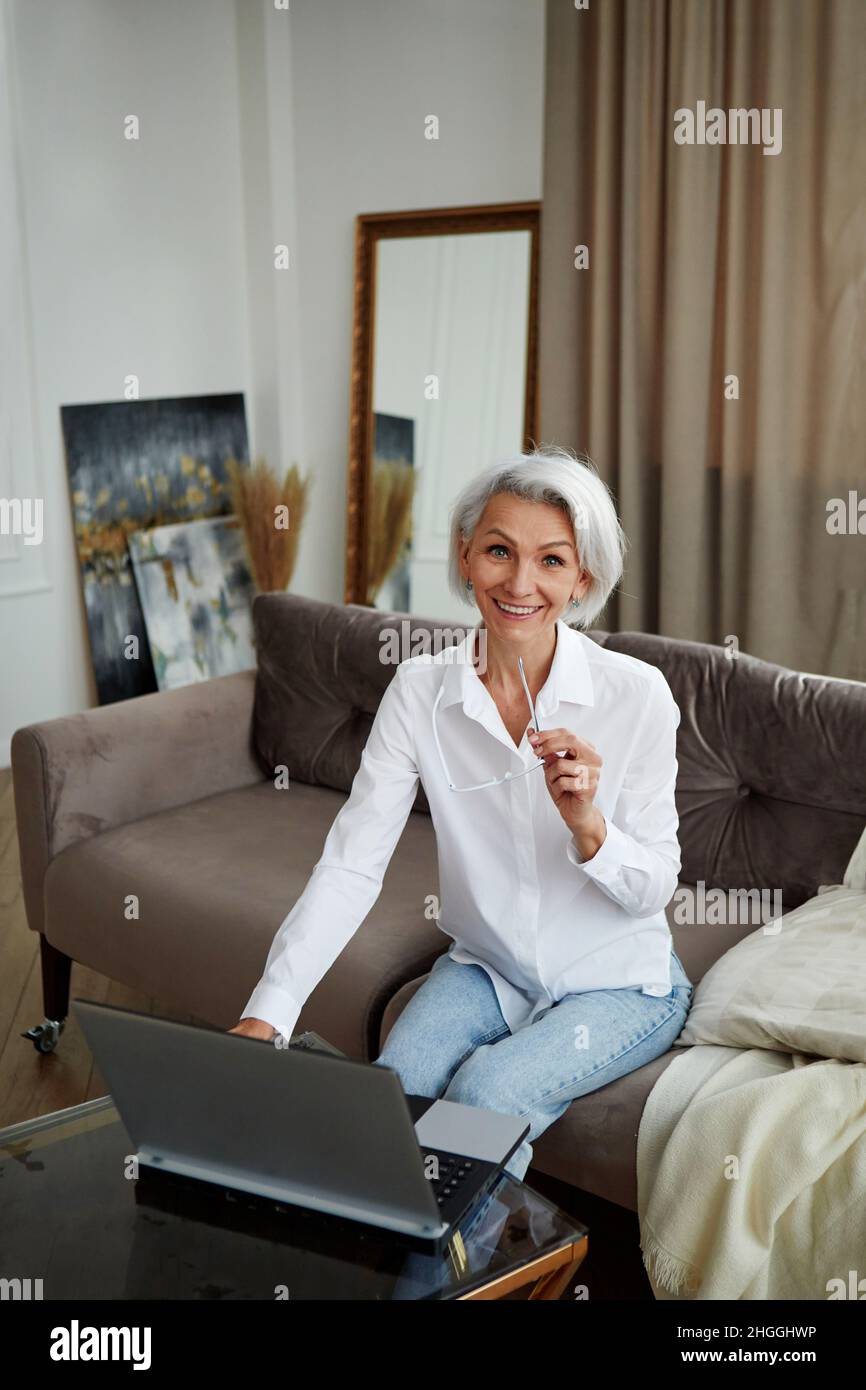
(370, 228)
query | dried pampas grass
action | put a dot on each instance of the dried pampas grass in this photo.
(271, 515)
(390, 521)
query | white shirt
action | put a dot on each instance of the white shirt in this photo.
(515, 896)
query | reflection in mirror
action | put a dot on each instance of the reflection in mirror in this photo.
(449, 378)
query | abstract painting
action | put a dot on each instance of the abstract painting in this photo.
(135, 465)
(196, 595)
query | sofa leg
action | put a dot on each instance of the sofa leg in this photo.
(56, 972)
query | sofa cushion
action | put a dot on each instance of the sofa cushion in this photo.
(770, 786)
(321, 673)
(214, 879)
(796, 985)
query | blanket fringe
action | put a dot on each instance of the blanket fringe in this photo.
(673, 1275)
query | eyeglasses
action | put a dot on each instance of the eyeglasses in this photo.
(495, 781)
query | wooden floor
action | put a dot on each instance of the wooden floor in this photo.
(31, 1083)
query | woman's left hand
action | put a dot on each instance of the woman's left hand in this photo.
(572, 767)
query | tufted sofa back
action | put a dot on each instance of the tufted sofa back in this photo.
(771, 786)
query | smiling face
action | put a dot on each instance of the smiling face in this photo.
(523, 565)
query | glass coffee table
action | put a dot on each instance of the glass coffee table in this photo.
(73, 1216)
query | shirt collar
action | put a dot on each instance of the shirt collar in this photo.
(569, 679)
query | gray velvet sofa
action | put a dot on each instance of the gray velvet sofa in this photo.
(171, 797)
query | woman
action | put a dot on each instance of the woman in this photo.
(557, 849)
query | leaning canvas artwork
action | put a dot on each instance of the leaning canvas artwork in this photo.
(136, 465)
(389, 537)
(196, 594)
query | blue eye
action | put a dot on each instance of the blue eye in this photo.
(558, 559)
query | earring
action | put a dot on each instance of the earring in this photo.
(575, 603)
(469, 586)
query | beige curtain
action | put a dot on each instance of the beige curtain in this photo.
(709, 261)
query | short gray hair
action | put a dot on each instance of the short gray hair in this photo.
(564, 480)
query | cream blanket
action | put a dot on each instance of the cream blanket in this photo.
(751, 1170)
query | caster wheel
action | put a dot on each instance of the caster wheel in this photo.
(45, 1036)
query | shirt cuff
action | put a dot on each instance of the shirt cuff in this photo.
(273, 1006)
(608, 858)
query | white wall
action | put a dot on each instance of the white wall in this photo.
(154, 257)
(135, 256)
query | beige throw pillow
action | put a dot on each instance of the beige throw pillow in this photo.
(797, 984)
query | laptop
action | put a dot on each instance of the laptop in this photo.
(296, 1124)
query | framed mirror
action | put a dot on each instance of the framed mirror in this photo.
(444, 382)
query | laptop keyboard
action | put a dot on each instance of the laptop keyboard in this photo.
(453, 1171)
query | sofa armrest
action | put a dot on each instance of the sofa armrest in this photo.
(86, 773)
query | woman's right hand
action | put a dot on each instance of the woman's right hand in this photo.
(254, 1028)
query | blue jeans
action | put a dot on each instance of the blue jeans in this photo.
(451, 1041)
